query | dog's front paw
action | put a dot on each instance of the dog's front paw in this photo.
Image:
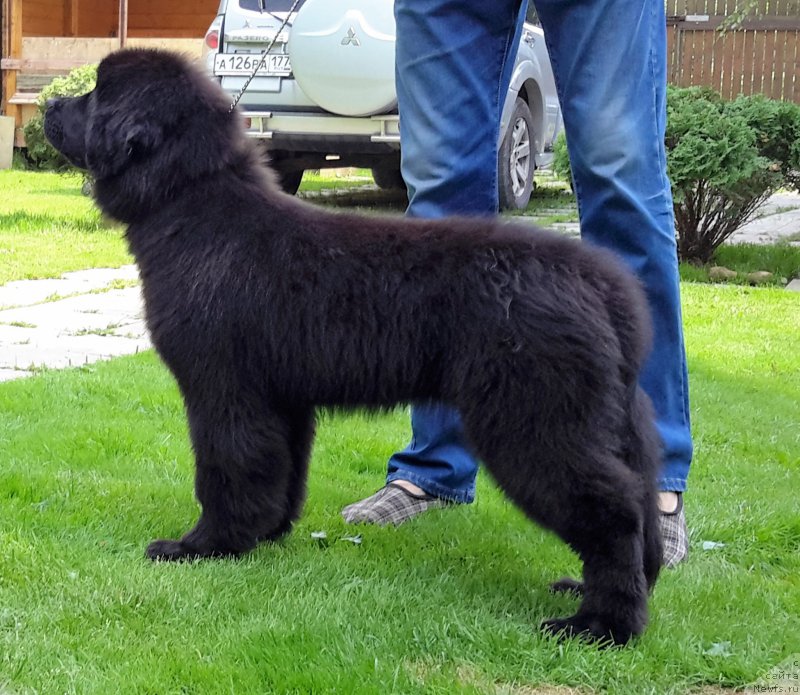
(171, 551)
(589, 628)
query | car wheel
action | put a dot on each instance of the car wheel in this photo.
(289, 179)
(388, 177)
(515, 160)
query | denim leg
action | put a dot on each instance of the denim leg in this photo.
(609, 60)
(453, 61)
(437, 459)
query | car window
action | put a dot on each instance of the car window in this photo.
(267, 5)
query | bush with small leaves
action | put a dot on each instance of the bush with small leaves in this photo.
(561, 166)
(724, 160)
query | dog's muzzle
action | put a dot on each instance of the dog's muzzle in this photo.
(53, 129)
(55, 133)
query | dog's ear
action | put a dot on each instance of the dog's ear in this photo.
(119, 142)
(143, 138)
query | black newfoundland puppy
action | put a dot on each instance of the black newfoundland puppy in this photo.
(265, 308)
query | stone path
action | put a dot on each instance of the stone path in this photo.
(778, 218)
(92, 315)
(77, 319)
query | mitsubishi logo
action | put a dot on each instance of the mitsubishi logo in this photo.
(350, 39)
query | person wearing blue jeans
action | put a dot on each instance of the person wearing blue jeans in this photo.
(453, 66)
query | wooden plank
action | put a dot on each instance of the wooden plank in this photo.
(190, 47)
(71, 17)
(699, 57)
(696, 6)
(673, 54)
(713, 22)
(74, 51)
(738, 52)
(718, 50)
(693, 57)
(759, 53)
(123, 23)
(12, 34)
(673, 7)
(24, 98)
(15, 29)
(796, 71)
(17, 64)
(782, 64)
(42, 18)
(3, 35)
(745, 61)
(43, 55)
(770, 86)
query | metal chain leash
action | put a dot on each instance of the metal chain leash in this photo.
(238, 97)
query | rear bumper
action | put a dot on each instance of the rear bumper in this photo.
(325, 133)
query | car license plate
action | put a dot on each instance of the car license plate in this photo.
(244, 64)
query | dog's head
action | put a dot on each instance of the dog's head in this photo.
(153, 124)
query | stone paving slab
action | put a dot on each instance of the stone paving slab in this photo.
(9, 374)
(93, 324)
(87, 312)
(69, 351)
(27, 292)
(777, 222)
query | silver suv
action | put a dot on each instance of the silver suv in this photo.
(325, 96)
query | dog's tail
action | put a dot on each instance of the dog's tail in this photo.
(629, 314)
(643, 456)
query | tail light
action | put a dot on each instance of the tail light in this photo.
(212, 43)
(212, 39)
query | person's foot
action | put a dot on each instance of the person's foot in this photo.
(401, 500)
(674, 534)
(395, 503)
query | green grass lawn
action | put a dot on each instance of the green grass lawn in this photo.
(95, 462)
(47, 228)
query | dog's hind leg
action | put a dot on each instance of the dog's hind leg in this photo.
(641, 454)
(246, 479)
(555, 463)
(607, 533)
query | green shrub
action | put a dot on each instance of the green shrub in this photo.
(724, 159)
(41, 154)
(777, 128)
(561, 165)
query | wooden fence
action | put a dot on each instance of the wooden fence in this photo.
(761, 56)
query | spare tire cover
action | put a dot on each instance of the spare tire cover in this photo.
(342, 54)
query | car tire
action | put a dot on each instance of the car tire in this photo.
(515, 160)
(288, 179)
(388, 177)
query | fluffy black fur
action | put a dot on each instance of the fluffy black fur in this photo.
(264, 308)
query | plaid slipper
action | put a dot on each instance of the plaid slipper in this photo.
(674, 535)
(391, 504)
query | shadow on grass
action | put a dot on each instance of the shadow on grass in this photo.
(388, 200)
(42, 222)
(74, 192)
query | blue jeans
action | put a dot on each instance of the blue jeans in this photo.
(454, 59)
